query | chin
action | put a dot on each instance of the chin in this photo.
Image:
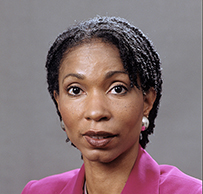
(98, 156)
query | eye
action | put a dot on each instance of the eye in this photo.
(119, 89)
(74, 91)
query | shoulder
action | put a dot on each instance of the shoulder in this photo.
(51, 184)
(172, 180)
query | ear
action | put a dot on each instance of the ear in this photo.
(56, 97)
(149, 99)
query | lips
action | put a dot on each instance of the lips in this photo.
(99, 139)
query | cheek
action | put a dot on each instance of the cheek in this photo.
(68, 113)
(71, 114)
(67, 106)
(131, 113)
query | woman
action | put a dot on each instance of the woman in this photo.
(104, 77)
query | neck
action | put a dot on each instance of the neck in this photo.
(109, 177)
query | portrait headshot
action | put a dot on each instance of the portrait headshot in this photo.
(101, 97)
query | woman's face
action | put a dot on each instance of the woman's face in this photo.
(101, 112)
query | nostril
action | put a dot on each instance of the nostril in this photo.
(104, 119)
(98, 119)
(88, 118)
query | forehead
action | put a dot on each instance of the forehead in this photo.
(92, 54)
(93, 44)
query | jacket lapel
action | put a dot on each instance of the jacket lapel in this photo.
(144, 177)
(75, 185)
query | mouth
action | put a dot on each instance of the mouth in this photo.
(99, 139)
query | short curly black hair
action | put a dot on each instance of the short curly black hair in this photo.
(136, 51)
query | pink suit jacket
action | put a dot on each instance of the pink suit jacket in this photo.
(146, 177)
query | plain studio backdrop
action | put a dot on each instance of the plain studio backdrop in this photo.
(32, 144)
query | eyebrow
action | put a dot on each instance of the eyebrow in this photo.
(77, 75)
(112, 73)
(107, 76)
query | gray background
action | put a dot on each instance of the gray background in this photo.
(32, 145)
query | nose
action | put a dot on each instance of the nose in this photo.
(97, 108)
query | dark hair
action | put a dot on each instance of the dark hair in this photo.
(136, 51)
